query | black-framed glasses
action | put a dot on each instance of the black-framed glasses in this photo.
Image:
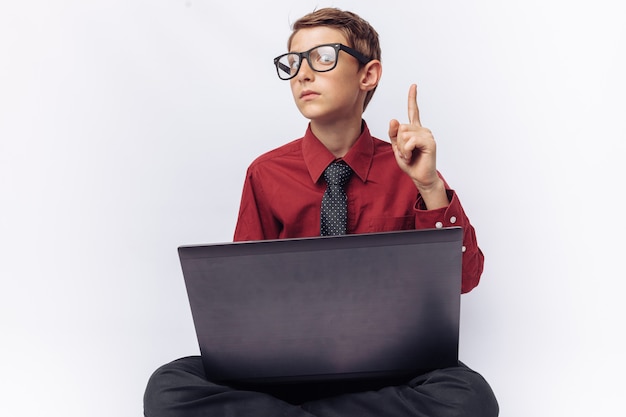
(321, 58)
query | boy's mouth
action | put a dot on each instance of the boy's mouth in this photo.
(308, 94)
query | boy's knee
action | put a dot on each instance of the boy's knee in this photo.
(155, 395)
(478, 399)
(167, 384)
(465, 392)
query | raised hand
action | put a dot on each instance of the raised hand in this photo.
(416, 153)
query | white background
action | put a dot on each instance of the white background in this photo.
(122, 120)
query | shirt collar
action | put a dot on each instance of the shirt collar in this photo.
(359, 157)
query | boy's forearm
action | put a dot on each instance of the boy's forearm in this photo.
(435, 197)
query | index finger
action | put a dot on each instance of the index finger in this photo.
(414, 112)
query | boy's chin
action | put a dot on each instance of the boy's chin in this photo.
(309, 111)
(316, 114)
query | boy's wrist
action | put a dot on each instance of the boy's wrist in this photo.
(434, 196)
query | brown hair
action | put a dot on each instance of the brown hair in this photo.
(360, 34)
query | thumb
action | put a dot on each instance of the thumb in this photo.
(394, 125)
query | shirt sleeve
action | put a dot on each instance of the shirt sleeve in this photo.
(454, 215)
(254, 221)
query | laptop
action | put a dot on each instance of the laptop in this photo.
(380, 305)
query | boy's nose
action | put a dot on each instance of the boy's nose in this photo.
(305, 72)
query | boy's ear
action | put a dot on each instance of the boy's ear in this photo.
(370, 75)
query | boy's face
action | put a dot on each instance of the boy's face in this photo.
(326, 96)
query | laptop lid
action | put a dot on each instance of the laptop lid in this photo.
(326, 308)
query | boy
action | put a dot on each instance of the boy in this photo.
(334, 68)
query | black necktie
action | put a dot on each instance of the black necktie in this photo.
(334, 202)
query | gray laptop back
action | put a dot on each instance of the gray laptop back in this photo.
(343, 307)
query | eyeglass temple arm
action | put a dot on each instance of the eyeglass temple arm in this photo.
(283, 67)
(362, 58)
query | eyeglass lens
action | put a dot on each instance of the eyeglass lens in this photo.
(321, 58)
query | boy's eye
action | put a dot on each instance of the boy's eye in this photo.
(324, 55)
(294, 62)
(326, 59)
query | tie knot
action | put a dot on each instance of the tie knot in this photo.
(337, 173)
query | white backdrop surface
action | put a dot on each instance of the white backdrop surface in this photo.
(122, 121)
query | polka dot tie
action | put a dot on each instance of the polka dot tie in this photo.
(334, 202)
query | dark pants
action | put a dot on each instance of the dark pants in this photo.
(181, 389)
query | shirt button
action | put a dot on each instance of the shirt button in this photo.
(463, 248)
(453, 219)
(438, 225)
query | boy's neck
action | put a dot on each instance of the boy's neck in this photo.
(338, 136)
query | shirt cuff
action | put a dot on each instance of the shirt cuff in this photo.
(449, 216)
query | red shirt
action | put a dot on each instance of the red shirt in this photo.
(283, 191)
